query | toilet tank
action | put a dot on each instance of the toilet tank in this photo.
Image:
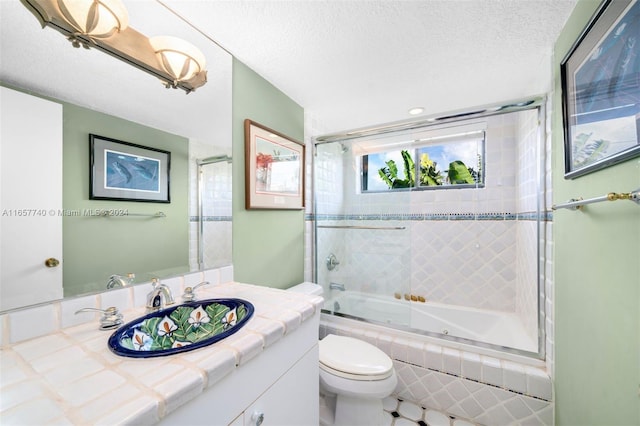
(307, 287)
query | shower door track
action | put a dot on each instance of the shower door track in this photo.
(379, 228)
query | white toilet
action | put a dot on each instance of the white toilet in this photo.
(355, 377)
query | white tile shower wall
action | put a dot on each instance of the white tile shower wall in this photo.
(481, 388)
(329, 192)
(194, 238)
(197, 150)
(527, 277)
(528, 183)
(217, 206)
(217, 237)
(468, 263)
(312, 126)
(329, 180)
(499, 194)
(375, 261)
(309, 251)
(217, 192)
(331, 241)
(528, 165)
(380, 261)
(218, 243)
(337, 193)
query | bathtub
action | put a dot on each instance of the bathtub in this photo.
(497, 328)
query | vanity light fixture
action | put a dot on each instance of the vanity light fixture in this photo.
(93, 19)
(104, 25)
(416, 111)
(182, 60)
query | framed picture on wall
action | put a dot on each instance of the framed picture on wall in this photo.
(125, 171)
(274, 169)
(601, 90)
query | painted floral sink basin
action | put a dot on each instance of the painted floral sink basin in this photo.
(181, 328)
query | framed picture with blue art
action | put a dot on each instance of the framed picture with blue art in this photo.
(601, 90)
(125, 171)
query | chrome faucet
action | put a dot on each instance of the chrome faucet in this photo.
(189, 292)
(331, 261)
(159, 297)
(116, 281)
(111, 318)
(336, 286)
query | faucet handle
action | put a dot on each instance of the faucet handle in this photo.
(116, 280)
(331, 261)
(189, 292)
(111, 318)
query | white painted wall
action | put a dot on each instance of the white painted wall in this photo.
(31, 204)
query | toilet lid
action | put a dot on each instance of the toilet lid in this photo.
(353, 357)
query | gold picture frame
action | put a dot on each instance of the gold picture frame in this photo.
(274, 169)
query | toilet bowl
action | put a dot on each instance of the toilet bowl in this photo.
(355, 377)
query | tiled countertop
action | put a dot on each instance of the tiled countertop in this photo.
(71, 377)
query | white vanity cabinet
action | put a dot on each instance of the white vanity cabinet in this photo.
(292, 400)
(280, 383)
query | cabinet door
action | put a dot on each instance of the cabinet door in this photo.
(291, 401)
(30, 199)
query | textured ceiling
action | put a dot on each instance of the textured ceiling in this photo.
(348, 63)
(357, 63)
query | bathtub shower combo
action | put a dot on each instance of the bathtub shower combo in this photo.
(435, 227)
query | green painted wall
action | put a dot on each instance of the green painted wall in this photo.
(597, 281)
(96, 247)
(268, 245)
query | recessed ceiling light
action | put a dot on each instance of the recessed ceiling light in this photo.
(416, 110)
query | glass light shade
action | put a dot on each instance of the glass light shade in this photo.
(180, 59)
(95, 18)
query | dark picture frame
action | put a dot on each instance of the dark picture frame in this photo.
(601, 90)
(274, 169)
(124, 171)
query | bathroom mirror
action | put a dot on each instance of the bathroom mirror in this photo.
(41, 62)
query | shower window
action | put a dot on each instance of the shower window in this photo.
(439, 162)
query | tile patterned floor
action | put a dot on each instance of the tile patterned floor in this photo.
(405, 413)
